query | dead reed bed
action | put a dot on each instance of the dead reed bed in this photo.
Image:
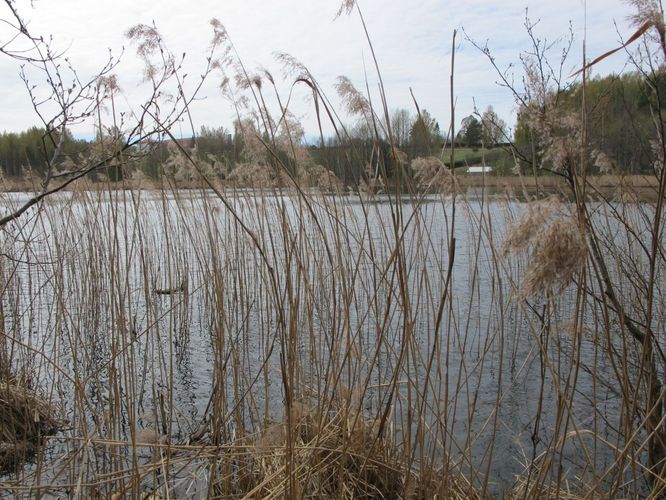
(639, 188)
(299, 351)
(251, 353)
(26, 419)
(392, 340)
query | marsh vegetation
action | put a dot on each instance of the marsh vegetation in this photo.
(285, 331)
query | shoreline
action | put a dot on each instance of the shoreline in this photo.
(628, 188)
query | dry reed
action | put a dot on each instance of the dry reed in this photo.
(25, 420)
(211, 342)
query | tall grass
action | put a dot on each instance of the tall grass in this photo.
(298, 347)
(291, 342)
(188, 359)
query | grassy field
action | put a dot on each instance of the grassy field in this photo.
(612, 187)
(472, 156)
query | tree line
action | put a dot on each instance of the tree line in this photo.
(350, 156)
(32, 149)
(619, 118)
(620, 130)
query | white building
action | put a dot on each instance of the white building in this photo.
(479, 169)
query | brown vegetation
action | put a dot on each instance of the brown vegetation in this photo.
(25, 420)
(347, 346)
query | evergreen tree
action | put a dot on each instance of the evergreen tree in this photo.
(424, 135)
(470, 132)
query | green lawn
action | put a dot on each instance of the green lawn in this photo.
(498, 158)
(470, 155)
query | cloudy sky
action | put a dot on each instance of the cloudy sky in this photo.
(412, 41)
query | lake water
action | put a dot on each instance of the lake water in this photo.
(148, 305)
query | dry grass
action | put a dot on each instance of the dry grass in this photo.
(25, 419)
(283, 343)
(289, 320)
(555, 243)
(336, 454)
(571, 491)
(311, 455)
(553, 181)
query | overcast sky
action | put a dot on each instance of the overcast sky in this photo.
(412, 41)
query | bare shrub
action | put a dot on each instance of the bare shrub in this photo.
(252, 175)
(318, 176)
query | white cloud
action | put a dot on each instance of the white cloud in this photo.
(412, 42)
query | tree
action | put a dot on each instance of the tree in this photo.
(25, 151)
(620, 113)
(493, 128)
(620, 238)
(401, 126)
(424, 134)
(61, 97)
(470, 131)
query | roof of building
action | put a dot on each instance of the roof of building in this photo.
(479, 169)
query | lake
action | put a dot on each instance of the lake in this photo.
(171, 312)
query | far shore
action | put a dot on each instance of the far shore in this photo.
(614, 187)
(639, 187)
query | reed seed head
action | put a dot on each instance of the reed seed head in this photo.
(346, 8)
(353, 100)
(555, 245)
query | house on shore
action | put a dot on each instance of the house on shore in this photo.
(479, 169)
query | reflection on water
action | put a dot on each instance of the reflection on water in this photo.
(82, 290)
